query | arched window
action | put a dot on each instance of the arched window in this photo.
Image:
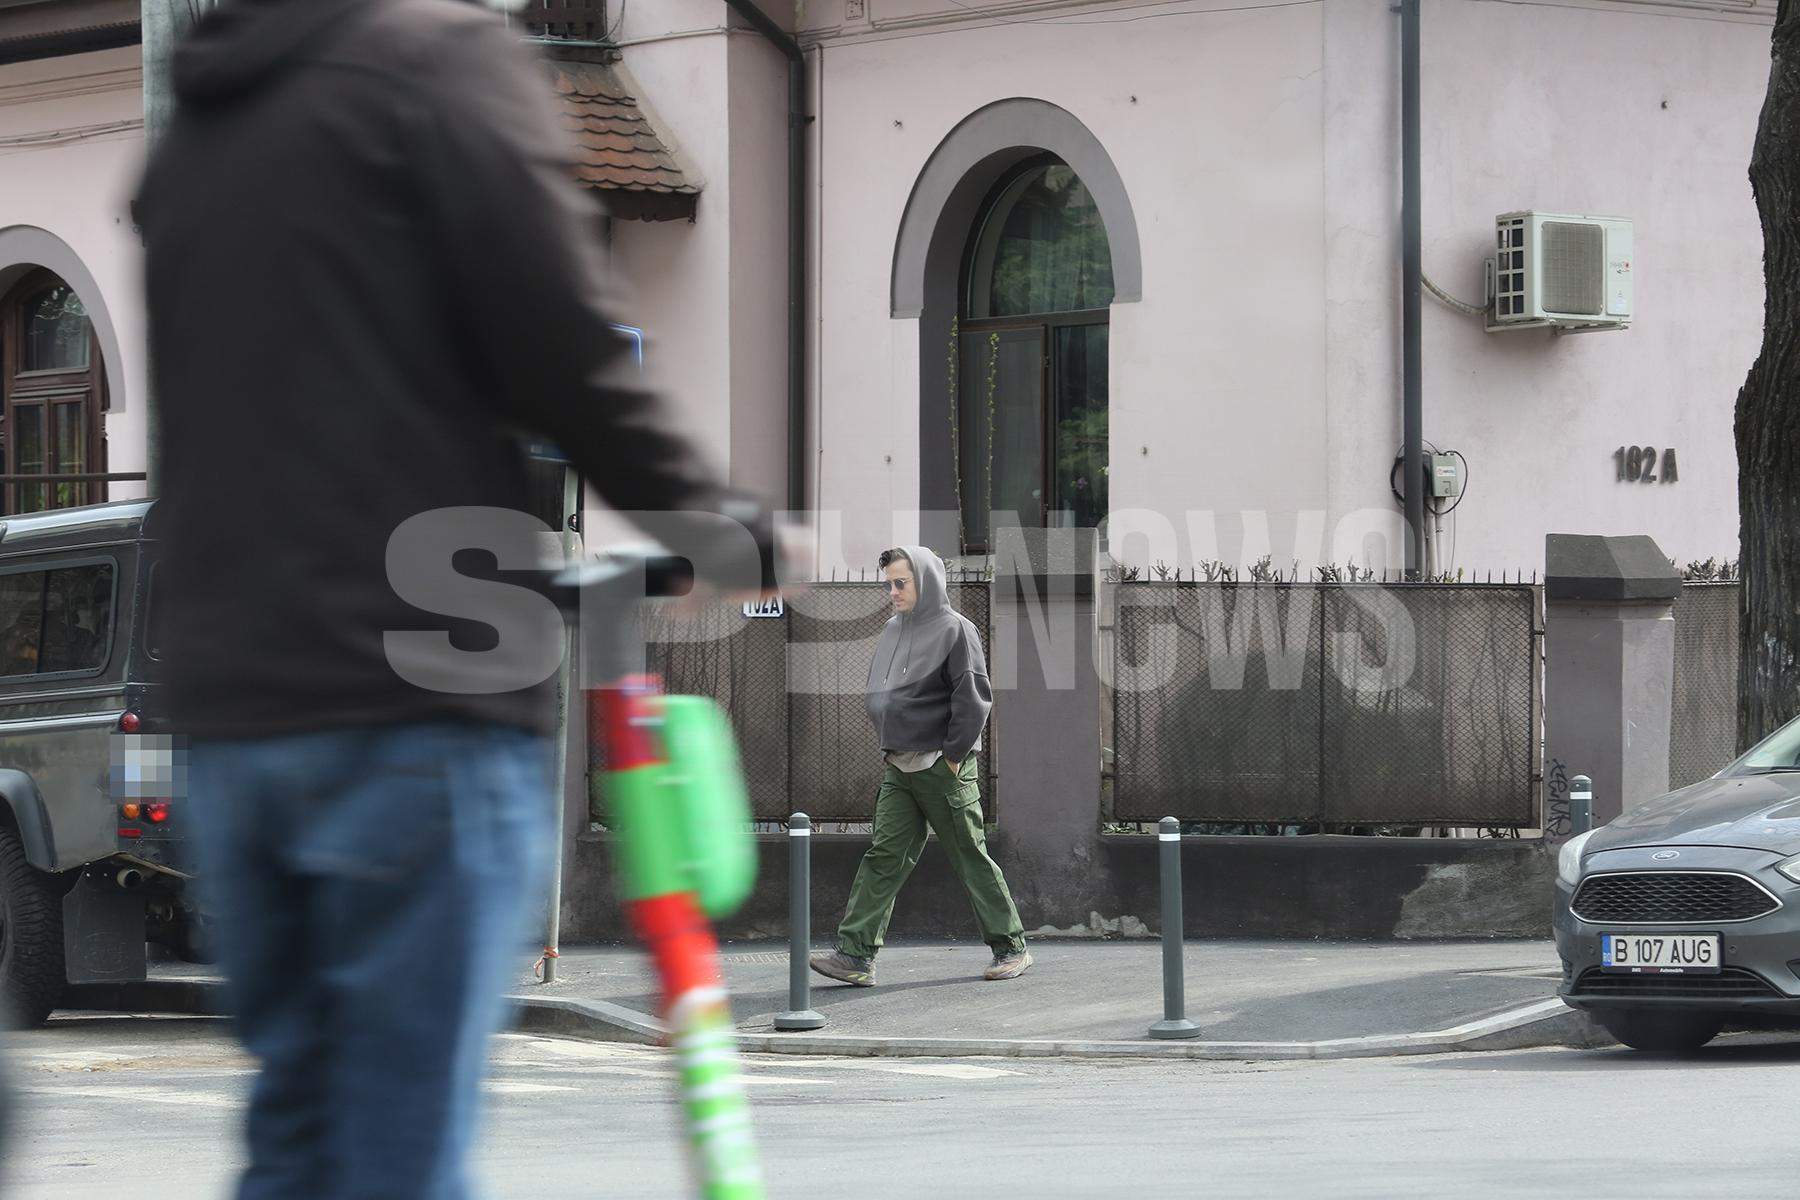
(1032, 355)
(54, 386)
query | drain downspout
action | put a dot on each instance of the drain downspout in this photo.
(796, 456)
(1412, 473)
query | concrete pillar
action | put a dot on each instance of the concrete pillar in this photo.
(1047, 699)
(1609, 662)
(164, 23)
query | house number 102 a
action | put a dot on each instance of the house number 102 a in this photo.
(1638, 464)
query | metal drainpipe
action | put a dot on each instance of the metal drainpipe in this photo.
(760, 21)
(1412, 474)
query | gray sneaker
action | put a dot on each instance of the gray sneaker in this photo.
(846, 968)
(1008, 964)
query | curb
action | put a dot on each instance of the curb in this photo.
(1541, 1023)
(1538, 1024)
(593, 1020)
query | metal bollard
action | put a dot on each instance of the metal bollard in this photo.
(1581, 805)
(1173, 1024)
(800, 1014)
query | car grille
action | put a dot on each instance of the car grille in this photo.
(1647, 897)
(1730, 982)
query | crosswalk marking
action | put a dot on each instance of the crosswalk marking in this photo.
(137, 1095)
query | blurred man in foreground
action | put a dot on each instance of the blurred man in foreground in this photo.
(366, 265)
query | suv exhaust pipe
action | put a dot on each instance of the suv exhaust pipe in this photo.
(129, 878)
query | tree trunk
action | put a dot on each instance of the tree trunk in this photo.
(1768, 413)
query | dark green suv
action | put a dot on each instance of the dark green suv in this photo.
(93, 858)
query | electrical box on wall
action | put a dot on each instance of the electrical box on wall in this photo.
(1446, 477)
(1562, 271)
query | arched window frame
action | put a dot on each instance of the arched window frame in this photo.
(977, 539)
(47, 397)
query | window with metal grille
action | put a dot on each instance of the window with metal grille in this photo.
(573, 20)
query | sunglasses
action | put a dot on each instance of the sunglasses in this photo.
(896, 585)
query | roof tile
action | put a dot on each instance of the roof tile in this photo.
(617, 149)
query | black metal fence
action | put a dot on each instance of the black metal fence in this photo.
(1334, 705)
(1703, 725)
(793, 688)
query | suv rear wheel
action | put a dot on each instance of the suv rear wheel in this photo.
(1666, 1031)
(31, 937)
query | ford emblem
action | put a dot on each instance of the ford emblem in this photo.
(1665, 855)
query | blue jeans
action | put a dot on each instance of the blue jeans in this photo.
(371, 889)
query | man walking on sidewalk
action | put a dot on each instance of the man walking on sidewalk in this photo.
(929, 698)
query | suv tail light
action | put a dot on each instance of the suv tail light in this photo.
(130, 722)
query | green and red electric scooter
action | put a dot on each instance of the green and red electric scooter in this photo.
(682, 850)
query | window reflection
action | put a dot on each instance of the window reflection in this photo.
(1031, 367)
(56, 331)
(57, 620)
(28, 456)
(1081, 426)
(1042, 249)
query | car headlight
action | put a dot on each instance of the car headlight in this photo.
(1790, 867)
(1568, 859)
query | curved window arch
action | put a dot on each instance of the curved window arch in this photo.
(1040, 247)
(1033, 306)
(53, 383)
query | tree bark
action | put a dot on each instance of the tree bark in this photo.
(1768, 413)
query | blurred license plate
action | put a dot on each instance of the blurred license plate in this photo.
(1660, 953)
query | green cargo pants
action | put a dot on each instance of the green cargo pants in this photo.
(950, 806)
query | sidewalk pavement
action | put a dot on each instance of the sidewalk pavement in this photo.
(1251, 999)
(1082, 998)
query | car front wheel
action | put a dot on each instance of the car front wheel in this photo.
(1666, 1031)
(31, 938)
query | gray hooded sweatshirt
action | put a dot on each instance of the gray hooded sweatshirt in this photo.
(928, 683)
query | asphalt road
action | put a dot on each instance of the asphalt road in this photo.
(148, 1107)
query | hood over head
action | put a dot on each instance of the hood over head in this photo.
(243, 44)
(928, 576)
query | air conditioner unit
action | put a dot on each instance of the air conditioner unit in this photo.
(1557, 270)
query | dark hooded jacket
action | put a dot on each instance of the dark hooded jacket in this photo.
(368, 270)
(928, 683)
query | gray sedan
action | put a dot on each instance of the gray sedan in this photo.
(1684, 913)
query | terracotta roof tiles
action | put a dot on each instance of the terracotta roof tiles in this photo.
(618, 150)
